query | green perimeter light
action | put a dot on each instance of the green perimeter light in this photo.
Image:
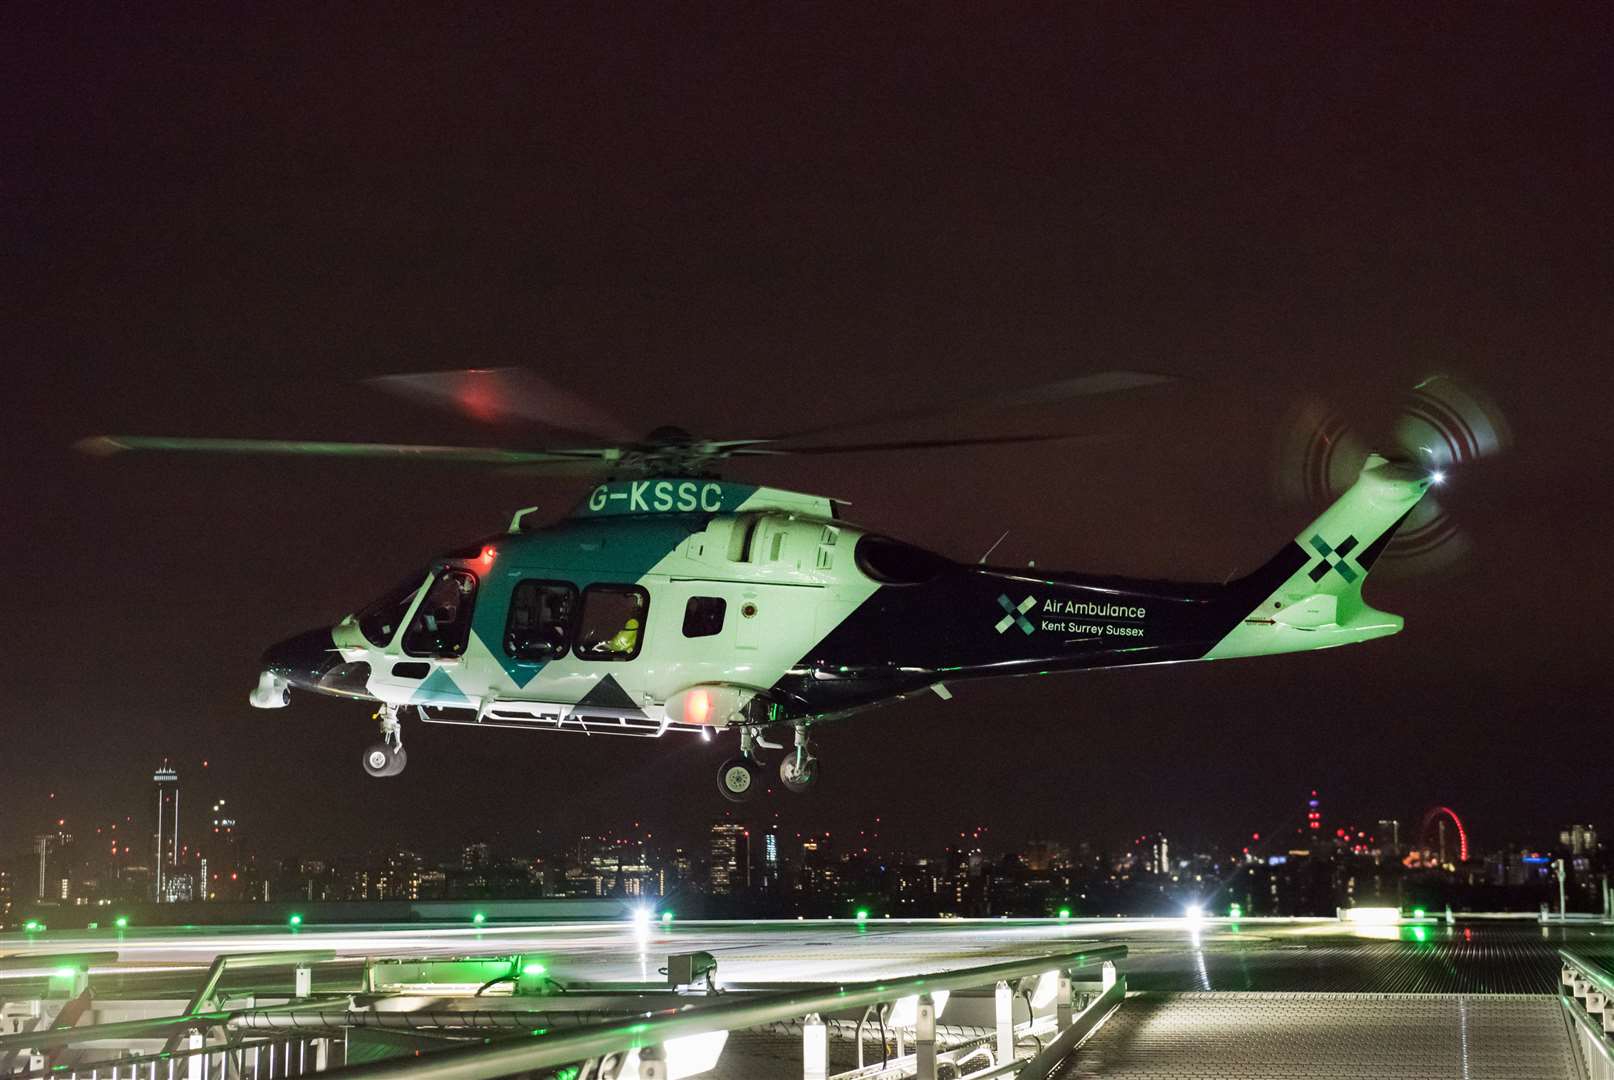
(1418, 913)
(1234, 911)
(666, 917)
(1064, 913)
(295, 921)
(33, 925)
(66, 972)
(862, 914)
(121, 922)
(533, 969)
(479, 918)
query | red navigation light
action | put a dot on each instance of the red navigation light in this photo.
(487, 556)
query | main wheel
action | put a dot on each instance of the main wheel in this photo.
(800, 779)
(382, 760)
(737, 779)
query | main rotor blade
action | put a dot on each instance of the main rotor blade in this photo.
(502, 394)
(105, 445)
(1101, 382)
(926, 444)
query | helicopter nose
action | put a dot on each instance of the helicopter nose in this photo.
(303, 659)
(310, 661)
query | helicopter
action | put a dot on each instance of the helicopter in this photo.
(671, 600)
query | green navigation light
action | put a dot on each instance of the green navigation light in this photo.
(121, 922)
(295, 921)
(65, 972)
(533, 969)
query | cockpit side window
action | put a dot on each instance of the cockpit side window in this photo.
(540, 622)
(611, 626)
(379, 621)
(442, 624)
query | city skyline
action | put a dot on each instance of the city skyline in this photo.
(1311, 867)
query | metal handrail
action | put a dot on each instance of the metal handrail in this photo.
(46, 962)
(520, 1054)
(1595, 973)
(150, 1027)
(1591, 1033)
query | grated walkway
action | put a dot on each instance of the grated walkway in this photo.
(1285, 1036)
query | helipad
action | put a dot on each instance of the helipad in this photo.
(1461, 998)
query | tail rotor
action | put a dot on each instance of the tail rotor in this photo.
(1440, 426)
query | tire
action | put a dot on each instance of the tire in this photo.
(381, 760)
(794, 781)
(738, 779)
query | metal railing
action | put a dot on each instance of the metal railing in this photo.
(1586, 990)
(202, 1027)
(650, 1032)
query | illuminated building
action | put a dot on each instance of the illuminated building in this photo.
(221, 856)
(167, 834)
(731, 858)
(1578, 840)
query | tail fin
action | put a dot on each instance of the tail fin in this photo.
(1309, 596)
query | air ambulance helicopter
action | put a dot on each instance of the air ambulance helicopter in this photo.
(671, 600)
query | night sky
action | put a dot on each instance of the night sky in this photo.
(743, 219)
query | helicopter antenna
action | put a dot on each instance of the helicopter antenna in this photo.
(994, 547)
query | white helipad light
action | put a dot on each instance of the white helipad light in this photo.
(1195, 915)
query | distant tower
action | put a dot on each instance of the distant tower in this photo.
(167, 781)
(731, 858)
(1314, 814)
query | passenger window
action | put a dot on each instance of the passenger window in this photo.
(540, 622)
(442, 625)
(611, 626)
(703, 616)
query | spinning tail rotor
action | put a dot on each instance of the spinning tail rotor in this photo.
(1440, 426)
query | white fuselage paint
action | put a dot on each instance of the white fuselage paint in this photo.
(787, 580)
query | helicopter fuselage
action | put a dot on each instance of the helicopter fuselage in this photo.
(689, 604)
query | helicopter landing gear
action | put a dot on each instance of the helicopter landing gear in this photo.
(737, 777)
(798, 770)
(387, 757)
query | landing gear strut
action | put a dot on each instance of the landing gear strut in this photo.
(387, 757)
(737, 777)
(798, 770)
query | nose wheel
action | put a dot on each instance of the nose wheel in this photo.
(383, 760)
(387, 757)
